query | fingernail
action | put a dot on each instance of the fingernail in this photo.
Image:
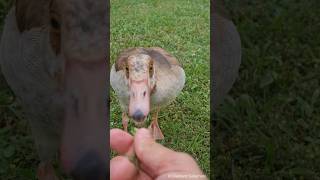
(144, 133)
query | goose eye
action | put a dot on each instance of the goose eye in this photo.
(127, 71)
(54, 26)
(151, 70)
(54, 23)
(55, 35)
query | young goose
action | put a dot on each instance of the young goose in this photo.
(146, 79)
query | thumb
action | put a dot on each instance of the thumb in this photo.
(157, 160)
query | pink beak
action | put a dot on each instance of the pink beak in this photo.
(139, 103)
(84, 150)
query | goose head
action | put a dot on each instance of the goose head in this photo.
(80, 29)
(75, 48)
(141, 80)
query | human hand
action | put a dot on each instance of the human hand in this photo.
(155, 160)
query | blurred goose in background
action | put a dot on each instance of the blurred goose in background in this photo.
(146, 79)
(226, 55)
(57, 68)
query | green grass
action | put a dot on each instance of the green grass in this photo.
(269, 126)
(182, 28)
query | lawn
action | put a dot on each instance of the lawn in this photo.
(269, 126)
(182, 28)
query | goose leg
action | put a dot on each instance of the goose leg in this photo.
(154, 126)
(125, 121)
(46, 172)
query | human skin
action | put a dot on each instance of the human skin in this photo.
(155, 161)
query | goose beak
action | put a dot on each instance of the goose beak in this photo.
(84, 152)
(139, 103)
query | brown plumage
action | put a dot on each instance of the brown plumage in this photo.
(156, 53)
